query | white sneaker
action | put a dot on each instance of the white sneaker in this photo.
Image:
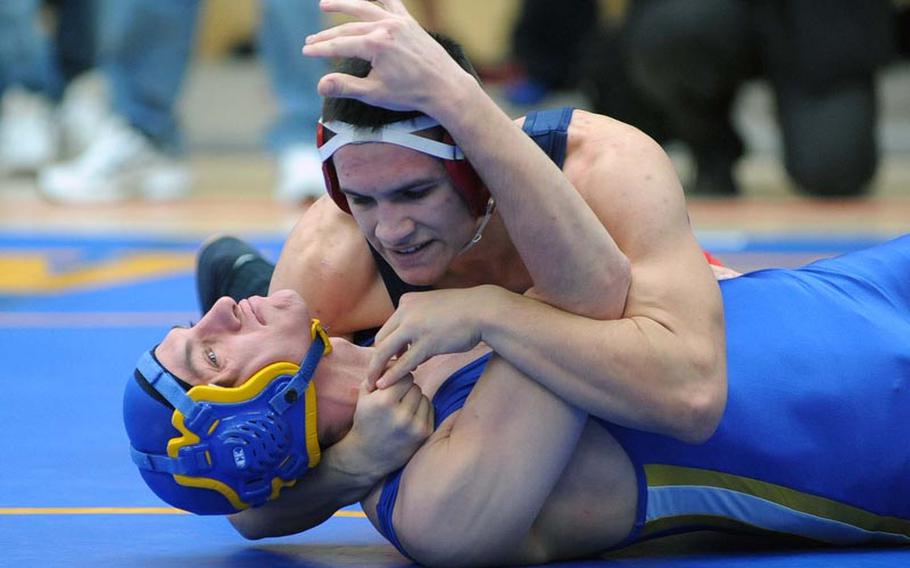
(299, 175)
(84, 109)
(28, 134)
(119, 164)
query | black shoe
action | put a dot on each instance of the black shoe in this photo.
(713, 179)
(227, 266)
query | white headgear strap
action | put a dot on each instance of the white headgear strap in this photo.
(401, 133)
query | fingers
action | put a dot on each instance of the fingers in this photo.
(410, 402)
(398, 391)
(387, 344)
(341, 30)
(342, 47)
(419, 411)
(402, 367)
(383, 368)
(340, 85)
(425, 414)
(360, 9)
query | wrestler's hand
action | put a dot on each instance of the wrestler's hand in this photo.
(427, 324)
(388, 427)
(410, 70)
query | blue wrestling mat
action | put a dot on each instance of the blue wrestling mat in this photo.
(75, 313)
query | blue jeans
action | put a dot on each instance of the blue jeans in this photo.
(285, 25)
(147, 45)
(31, 58)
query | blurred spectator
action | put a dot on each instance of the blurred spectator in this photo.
(38, 64)
(145, 50)
(689, 58)
(548, 43)
(903, 28)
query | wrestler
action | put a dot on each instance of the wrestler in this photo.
(598, 229)
(811, 443)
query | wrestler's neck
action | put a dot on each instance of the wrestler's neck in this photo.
(337, 380)
(493, 260)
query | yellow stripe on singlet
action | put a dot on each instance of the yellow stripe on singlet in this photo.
(659, 475)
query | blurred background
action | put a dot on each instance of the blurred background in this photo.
(130, 130)
(777, 113)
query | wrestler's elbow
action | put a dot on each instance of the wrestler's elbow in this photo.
(256, 524)
(602, 297)
(703, 403)
(249, 526)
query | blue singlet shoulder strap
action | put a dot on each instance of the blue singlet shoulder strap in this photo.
(548, 128)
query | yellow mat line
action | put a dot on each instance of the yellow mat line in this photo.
(91, 511)
(121, 511)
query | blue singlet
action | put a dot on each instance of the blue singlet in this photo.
(813, 441)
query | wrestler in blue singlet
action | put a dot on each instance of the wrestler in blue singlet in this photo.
(813, 441)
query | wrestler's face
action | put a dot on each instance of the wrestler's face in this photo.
(406, 206)
(235, 340)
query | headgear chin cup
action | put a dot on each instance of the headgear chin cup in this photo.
(334, 134)
(222, 450)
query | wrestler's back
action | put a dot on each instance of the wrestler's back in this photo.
(813, 438)
(819, 407)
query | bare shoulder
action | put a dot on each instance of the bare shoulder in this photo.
(327, 261)
(626, 178)
(607, 159)
(599, 145)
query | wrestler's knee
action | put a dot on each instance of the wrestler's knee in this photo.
(832, 171)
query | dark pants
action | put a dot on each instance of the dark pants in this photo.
(689, 58)
(549, 38)
(77, 36)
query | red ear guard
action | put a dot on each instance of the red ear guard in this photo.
(329, 173)
(467, 182)
(464, 178)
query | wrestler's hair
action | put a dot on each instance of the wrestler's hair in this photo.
(362, 114)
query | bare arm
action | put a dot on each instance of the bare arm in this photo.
(656, 370)
(567, 249)
(638, 372)
(327, 261)
(660, 368)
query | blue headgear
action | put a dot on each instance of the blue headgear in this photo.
(215, 450)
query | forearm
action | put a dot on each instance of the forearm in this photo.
(635, 371)
(564, 245)
(335, 483)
